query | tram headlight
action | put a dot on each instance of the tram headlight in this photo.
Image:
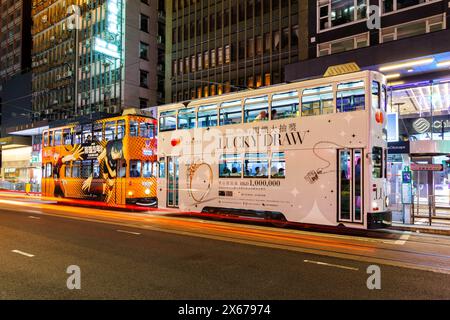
(130, 193)
(147, 191)
(386, 201)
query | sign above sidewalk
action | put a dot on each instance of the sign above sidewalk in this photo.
(426, 167)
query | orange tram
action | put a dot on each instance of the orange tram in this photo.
(112, 161)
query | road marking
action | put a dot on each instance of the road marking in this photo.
(29, 255)
(130, 232)
(331, 265)
(32, 217)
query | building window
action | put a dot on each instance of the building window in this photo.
(144, 23)
(333, 13)
(143, 79)
(342, 45)
(143, 50)
(143, 103)
(411, 29)
(394, 5)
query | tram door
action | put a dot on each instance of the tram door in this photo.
(172, 181)
(350, 185)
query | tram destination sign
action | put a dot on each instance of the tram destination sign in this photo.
(426, 167)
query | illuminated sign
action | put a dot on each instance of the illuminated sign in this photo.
(109, 49)
(113, 23)
(113, 14)
(426, 167)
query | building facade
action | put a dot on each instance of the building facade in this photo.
(214, 47)
(92, 58)
(15, 38)
(407, 40)
(16, 167)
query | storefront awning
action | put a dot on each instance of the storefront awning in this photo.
(14, 142)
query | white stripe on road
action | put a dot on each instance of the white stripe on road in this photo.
(29, 255)
(130, 232)
(331, 265)
(32, 217)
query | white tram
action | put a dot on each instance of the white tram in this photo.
(311, 152)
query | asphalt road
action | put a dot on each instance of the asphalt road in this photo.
(152, 260)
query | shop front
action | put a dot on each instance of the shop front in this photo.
(419, 142)
(17, 166)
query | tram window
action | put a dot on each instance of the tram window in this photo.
(256, 165)
(46, 139)
(384, 97)
(110, 131)
(67, 170)
(284, 105)
(351, 96)
(77, 135)
(376, 94)
(120, 129)
(167, 121)
(50, 138)
(135, 169)
(76, 169)
(316, 101)
(357, 158)
(256, 109)
(98, 132)
(134, 128)
(58, 138)
(122, 168)
(207, 116)
(186, 118)
(230, 113)
(67, 137)
(86, 169)
(230, 166)
(162, 168)
(146, 130)
(48, 170)
(278, 165)
(377, 162)
(147, 171)
(87, 134)
(96, 169)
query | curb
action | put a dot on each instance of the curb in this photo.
(442, 232)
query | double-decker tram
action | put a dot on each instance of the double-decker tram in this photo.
(310, 152)
(112, 161)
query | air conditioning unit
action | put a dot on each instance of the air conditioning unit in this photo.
(55, 101)
(70, 50)
(69, 98)
(48, 111)
(69, 73)
(159, 39)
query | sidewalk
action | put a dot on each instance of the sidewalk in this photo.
(438, 230)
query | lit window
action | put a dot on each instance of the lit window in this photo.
(256, 165)
(186, 118)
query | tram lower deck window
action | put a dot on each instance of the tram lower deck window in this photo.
(256, 165)
(135, 169)
(230, 166)
(377, 162)
(278, 165)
